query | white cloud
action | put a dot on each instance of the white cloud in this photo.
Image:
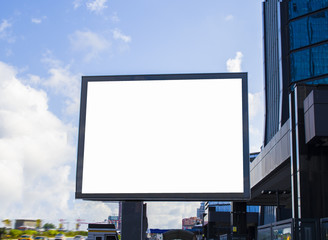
(118, 35)
(5, 34)
(170, 214)
(62, 82)
(256, 116)
(256, 137)
(234, 64)
(8, 52)
(66, 84)
(229, 18)
(34, 79)
(35, 151)
(255, 101)
(4, 25)
(36, 20)
(94, 211)
(89, 43)
(115, 18)
(96, 5)
(37, 155)
(77, 3)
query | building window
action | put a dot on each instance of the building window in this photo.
(317, 82)
(300, 7)
(309, 30)
(308, 63)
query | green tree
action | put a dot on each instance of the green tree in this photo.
(51, 233)
(48, 226)
(38, 223)
(2, 232)
(30, 232)
(15, 233)
(7, 223)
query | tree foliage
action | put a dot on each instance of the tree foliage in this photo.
(7, 223)
(38, 223)
(30, 232)
(15, 233)
(48, 226)
(2, 232)
(50, 233)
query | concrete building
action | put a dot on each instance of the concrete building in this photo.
(189, 223)
(25, 224)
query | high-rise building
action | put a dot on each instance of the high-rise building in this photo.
(201, 210)
(295, 50)
(289, 176)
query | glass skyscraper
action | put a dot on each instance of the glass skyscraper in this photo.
(308, 40)
(295, 37)
(295, 50)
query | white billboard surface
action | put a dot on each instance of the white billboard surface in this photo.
(163, 136)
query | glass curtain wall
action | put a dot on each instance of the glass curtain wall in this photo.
(308, 40)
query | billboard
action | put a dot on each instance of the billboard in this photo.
(172, 137)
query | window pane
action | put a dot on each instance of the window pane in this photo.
(301, 7)
(311, 62)
(319, 81)
(309, 30)
(300, 67)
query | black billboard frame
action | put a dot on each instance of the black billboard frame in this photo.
(164, 196)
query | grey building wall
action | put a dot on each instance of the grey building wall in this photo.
(272, 67)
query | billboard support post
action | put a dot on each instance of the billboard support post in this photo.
(238, 217)
(133, 220)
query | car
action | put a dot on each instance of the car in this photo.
(41, 238)
(60, 236)
(26, 237)
(79, 237)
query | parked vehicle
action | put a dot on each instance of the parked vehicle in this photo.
(79, 237)
(41, 238)
(60, 237)
(102, 232)
(26, 237)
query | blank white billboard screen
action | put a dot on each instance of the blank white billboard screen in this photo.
(163, 136)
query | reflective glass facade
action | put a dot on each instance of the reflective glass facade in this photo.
(295, 50)
(309, 63)
(301, 29)
(226, 207)
(308, 30)
(319, 81)
(308, 40)
(301, 7)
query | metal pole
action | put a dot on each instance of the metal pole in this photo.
(278, 206)
(132, 220)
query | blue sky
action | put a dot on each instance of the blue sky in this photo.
(46, 46)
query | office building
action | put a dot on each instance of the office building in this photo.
(289, 176)
(25, 224)
(189, 223)
(218, 220)
(201, 210)
(295, 50)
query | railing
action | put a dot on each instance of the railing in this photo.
(324, 228)
(293, 229)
